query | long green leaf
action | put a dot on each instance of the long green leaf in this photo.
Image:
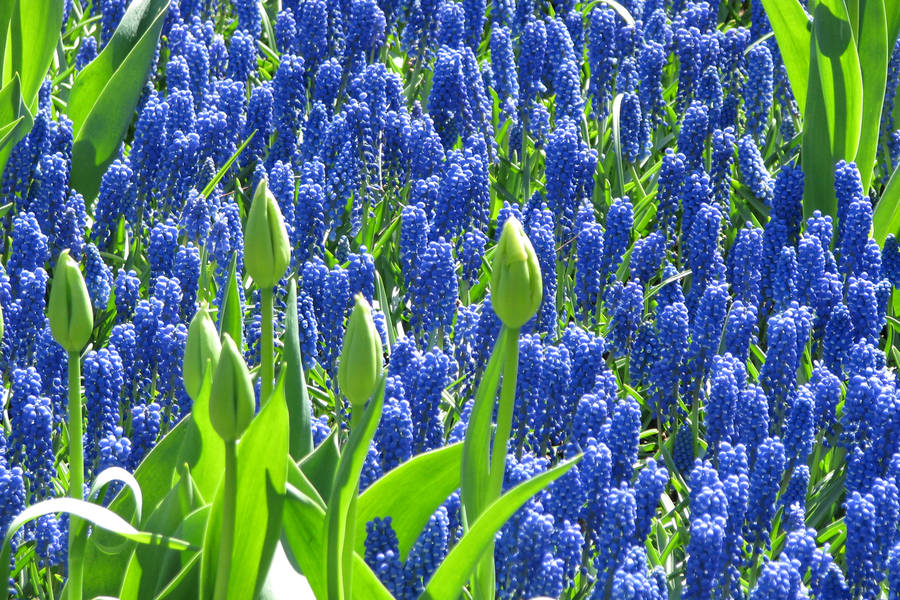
(320, 466)
(475, 462)
(106, 92)
(202, 449)
(15, 118)
(874, 53)
(295, 380)
(231, 319)
(887, 212)
(262, 464)
(434, 475)
(792, 32)
(6, 11)
(151, 569)
(339, 517)
(99, 516)
(892, 13)
(33, 35)
(304, 535)
(450, 577)
(833, 106)
(154, 475)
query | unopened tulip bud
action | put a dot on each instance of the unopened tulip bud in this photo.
(361, 356)
(267, 248)
(231, 401)
(201, 351)
(516, 286)
(70, 312)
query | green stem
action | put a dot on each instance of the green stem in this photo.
(226, 542)
(484, 580)
(267, 348)
(504, 414)
(348, 550)
(76, 476)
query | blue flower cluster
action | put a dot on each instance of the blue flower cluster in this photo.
(714, 357)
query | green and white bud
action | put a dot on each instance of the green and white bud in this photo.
(70, 312)
(516, 285)
(231, 400)
(267, 248)
(361, 355)
(201, 349)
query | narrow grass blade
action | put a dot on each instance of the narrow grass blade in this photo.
(451, 575)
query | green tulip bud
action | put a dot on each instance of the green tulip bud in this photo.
(516, 285)
(70, 312)
(267, 249)
(361, 356)
(201, 349)
(231, 400)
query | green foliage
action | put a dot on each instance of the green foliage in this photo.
(837, 66)
(106, 92)
(434, 475)
(299, 408)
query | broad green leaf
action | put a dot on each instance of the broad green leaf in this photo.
(297, 479)
(106, 92)
(231, 319)
(97, 515)
(283, 582)
(154, 475)
(262, 465)
(475, 462)
(320, 466)
(892, 13)
(151, 569)
(295, 391)
(6, 11)
(33, 36)
(873, 60)
(340, 514)
(887, 212)
(434, 475)
(833, 106)
(450, 577)
(792, 32)
(202, 450)
(15, 118)
(184, 584)
(304, 535)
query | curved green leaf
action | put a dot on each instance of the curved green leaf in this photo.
(887, 212)
(295, 381)
(833, 105)
(434, 475)
(99, 516)
(154, 475)
(231, 321)
(340, 517)
(15, 118)
(262, 465)
(152, 570)
(304, 535)
(321, 464)
(792, 32)
(106, 92)
(450, 577)
(874, 53)
(202, 449)
(33, 34)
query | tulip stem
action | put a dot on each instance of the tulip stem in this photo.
(267, 349)
(229, 502)
(76, 476)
